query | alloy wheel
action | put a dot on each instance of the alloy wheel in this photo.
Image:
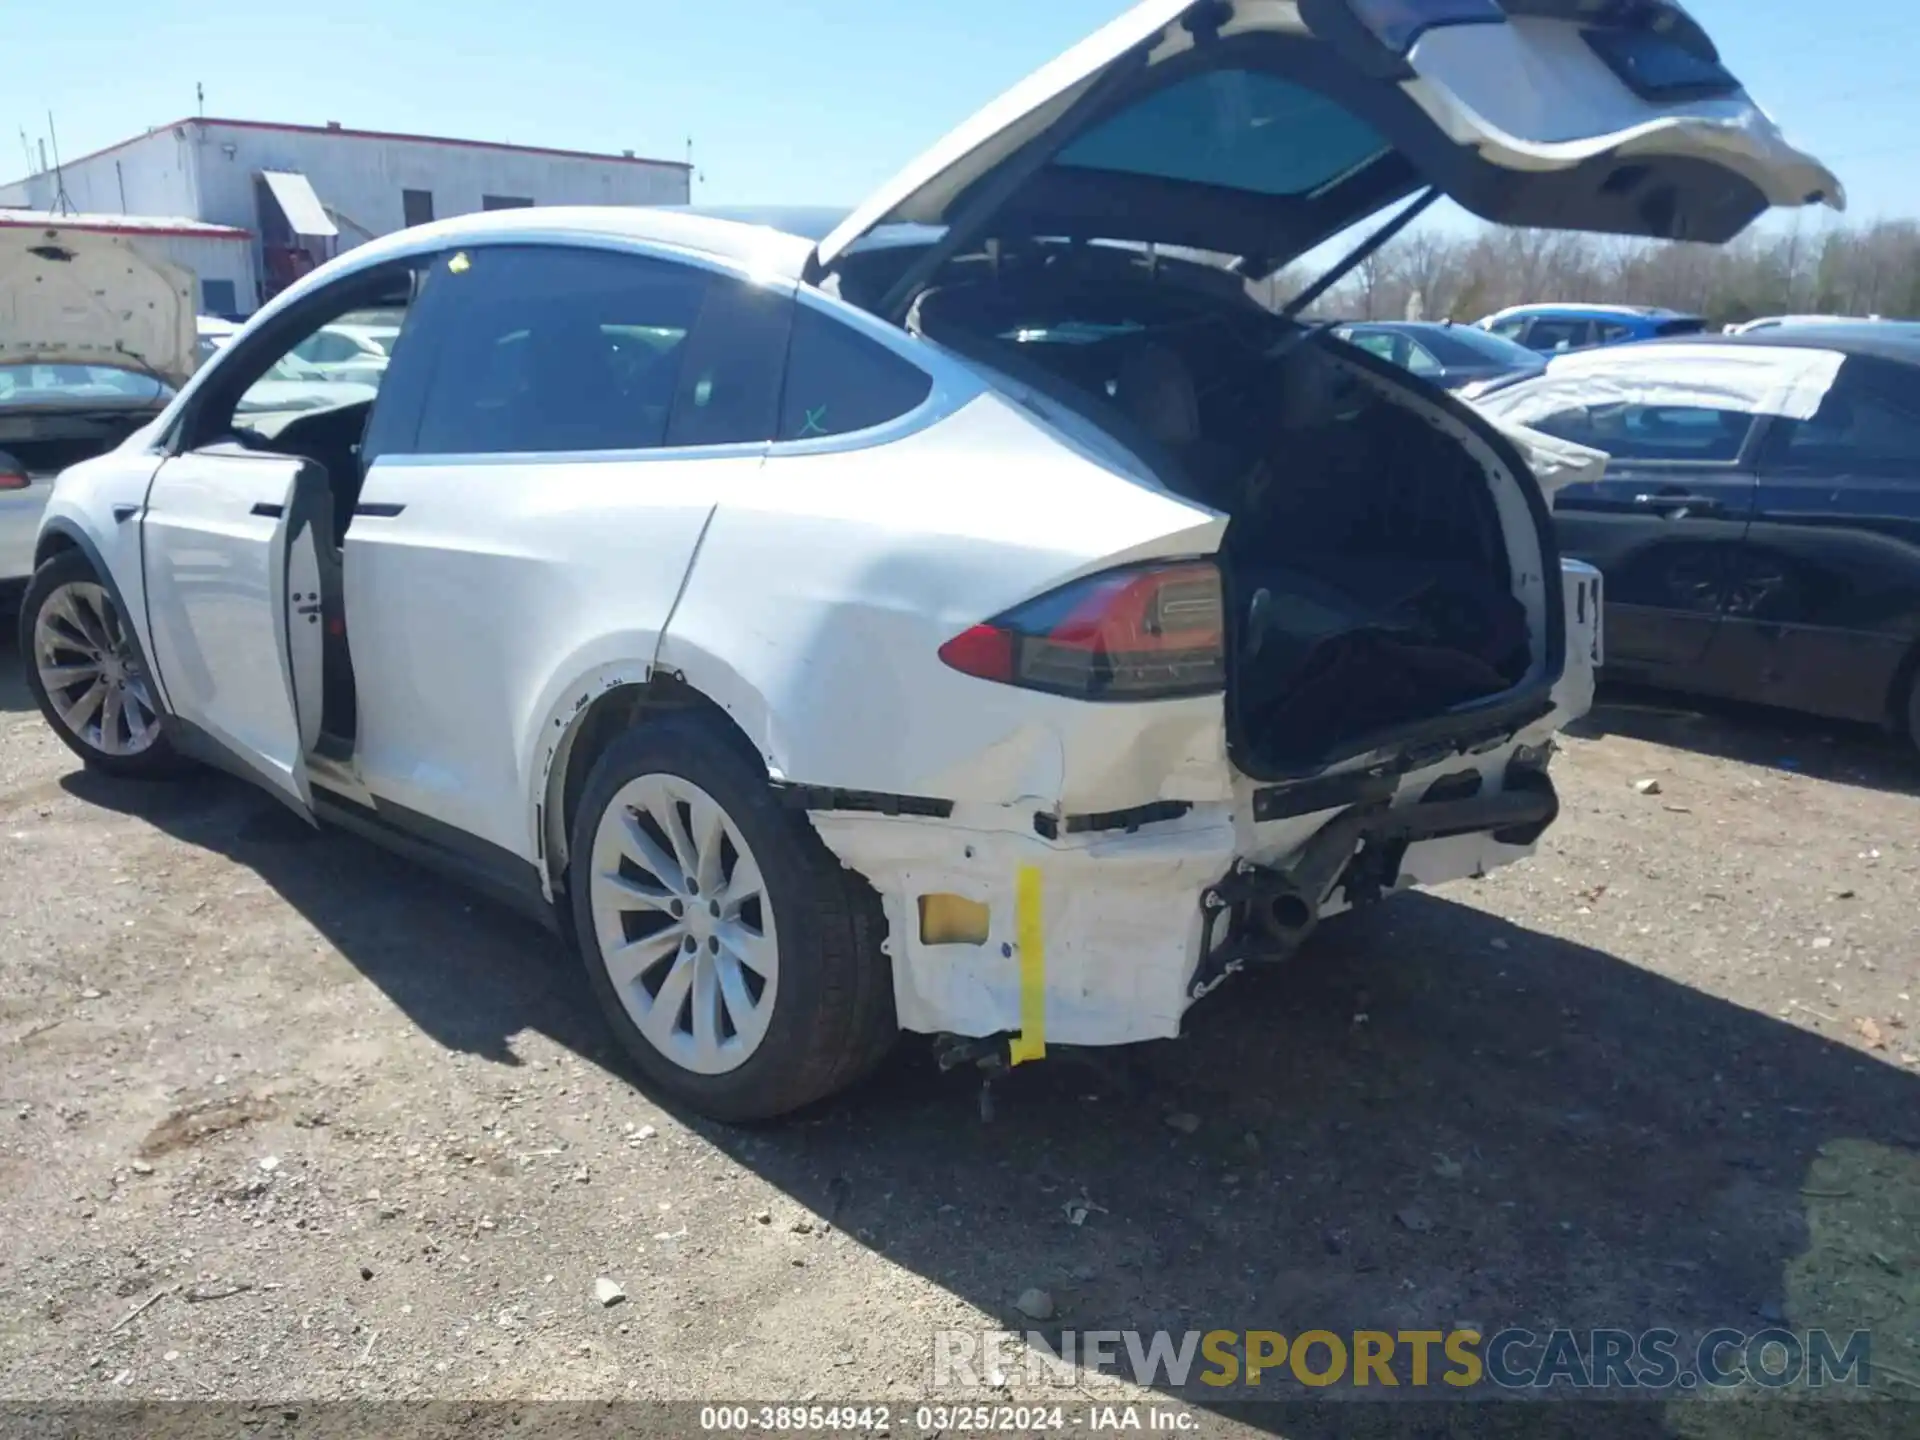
(684, 924)
(91, 672)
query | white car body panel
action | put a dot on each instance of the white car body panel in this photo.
(217, 590)
(87, 503)
(508, 585)
(886, 552)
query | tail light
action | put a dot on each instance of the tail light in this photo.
(13, 475)
(1149, 632)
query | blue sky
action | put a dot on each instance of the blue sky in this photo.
(785, 100)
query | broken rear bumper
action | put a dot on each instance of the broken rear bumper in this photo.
(1106, 938)
(1098, 929)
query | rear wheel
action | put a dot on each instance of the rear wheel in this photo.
(738, 961)
(86, 673)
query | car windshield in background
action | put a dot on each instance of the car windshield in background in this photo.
(78, 385)
(1464, 345)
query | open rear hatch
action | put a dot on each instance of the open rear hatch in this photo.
(1397, 534)
(1260, 128)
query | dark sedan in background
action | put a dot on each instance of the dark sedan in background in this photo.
(1759, 522)
(1454, 357)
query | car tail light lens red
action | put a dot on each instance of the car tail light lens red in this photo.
(13, 475)
(1148, 632)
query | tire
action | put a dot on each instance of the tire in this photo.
(1912, 715)
(794, 922)
(107, 714)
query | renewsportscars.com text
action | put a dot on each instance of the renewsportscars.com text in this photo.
(1379, 1360)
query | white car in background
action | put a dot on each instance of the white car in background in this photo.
(354, 349)
(917, 622)
(1780, 322)
(95, 337)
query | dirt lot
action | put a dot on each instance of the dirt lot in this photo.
(334, 1128)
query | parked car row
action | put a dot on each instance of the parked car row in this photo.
(1758, 524)
(916, 620)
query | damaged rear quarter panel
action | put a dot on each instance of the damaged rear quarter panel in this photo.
(829, 578)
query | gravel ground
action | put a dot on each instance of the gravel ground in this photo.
(283, 1118)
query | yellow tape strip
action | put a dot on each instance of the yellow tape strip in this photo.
(1031, 1042)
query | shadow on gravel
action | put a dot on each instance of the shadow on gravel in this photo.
(15, 697)
(469, 973)
(1434, 1120)
(1755, 735)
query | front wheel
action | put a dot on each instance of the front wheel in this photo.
(737, 960)
(86, 674)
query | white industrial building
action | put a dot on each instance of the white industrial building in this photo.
(304, 193)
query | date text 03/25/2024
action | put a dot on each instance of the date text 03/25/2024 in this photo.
(945, 1419)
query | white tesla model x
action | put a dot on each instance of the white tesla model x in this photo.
(976, 616)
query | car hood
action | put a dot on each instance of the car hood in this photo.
(1258, 129)
(70, 296)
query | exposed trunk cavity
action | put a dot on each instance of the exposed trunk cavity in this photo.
(1384, 563)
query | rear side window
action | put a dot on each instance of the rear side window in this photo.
(1240, 129)
(1653, 432)
(1869, 421)
(839, 381)
(547, 349)
(1552, 336)
(1680, 327)
(729, 391)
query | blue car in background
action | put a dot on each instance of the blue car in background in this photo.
(1555, 329)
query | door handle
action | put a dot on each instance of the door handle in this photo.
(379, 509)
(270, 510)
(1668, 501)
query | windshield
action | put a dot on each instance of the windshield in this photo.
(78, 385)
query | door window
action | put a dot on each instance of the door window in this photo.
(1510, 329)
(1552, 336)
(1870, 420)
(839, 381)
(1374, 342)
(554, 349)
(262, 384)
(1420, 360)
(1653, 432)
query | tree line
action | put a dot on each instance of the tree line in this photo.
(1869, 269)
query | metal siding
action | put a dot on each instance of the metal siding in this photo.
(210, 259)
(207, 170)
(359, 179)
(155, 169)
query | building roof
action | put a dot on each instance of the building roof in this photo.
(101, 224)
(623, 158)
